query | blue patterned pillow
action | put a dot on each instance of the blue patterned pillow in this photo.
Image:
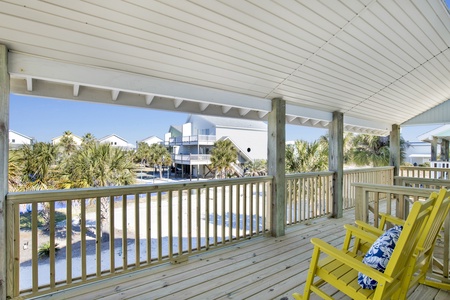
(378, 255)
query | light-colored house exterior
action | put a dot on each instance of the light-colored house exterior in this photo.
(16, 140)
(116, 141)
(418, 153)
(151, 140)
(78, 140)
(438, 139)
(191, 143)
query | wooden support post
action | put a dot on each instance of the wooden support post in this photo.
(336, 161)
(434, 149)
(394, 148)
(4, 147)
(276, 165)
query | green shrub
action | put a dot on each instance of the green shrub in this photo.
(44, 250)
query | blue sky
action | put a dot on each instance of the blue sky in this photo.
(44, 119)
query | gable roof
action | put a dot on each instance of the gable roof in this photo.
(442, 132)
(22, 135)
(150, 137)
(112, 136)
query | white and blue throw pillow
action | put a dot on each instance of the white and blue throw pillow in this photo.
(379, 254)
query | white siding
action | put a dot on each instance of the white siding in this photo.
(253, 140)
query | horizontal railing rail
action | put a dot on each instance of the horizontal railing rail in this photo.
(58, 239)
(203, 159)
(429, 183)
(401, 196)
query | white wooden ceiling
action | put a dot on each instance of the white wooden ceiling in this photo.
(379, 62)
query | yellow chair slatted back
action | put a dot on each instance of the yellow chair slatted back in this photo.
(340, 267)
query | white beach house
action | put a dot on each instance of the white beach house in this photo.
(16, 139)
(192, 142)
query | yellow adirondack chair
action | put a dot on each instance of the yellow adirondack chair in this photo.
(340, 268)
(421, 260)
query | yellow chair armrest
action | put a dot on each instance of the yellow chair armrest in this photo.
(368, 228)
(350, 261)
(361, 234)
(393, 219)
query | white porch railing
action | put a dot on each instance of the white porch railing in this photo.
(192, 159)
(193, 140)
(105, 231)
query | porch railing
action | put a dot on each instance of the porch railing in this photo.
(309, 195)
(101, 232)
(424, 172)
(379, 175)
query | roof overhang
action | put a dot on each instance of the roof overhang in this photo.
(378, 62)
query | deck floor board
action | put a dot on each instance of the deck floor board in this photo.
(258, 268)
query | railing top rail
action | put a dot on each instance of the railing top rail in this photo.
(423, 180)
(424, 168)
(84, 193)
(309, 174)
(375, 169)
(395, 189)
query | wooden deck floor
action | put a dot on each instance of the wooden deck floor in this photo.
(260, 268)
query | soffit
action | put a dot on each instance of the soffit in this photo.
(378, 62)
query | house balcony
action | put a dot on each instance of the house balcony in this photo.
(192, 159)
(202, 140)
(200, 240)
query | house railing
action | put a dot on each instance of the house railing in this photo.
(424, 172)
(101, 232)
(193, 140)
(192, 159)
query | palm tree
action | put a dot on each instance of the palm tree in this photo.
(160, 156)
(257, 167)
(142, 154)
(88, 138)
(306, 157)
(14, 170)
(67, 144)
(98, 165)
(222, 156)
(372, 150)
(38, 164)
(348, 145)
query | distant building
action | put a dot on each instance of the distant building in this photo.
(151, 140)
(116, 141)
(438, 140)
(192, 142)
(418, 153)
(17, 140)
(75, 138)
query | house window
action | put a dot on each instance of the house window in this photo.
(13, 140)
